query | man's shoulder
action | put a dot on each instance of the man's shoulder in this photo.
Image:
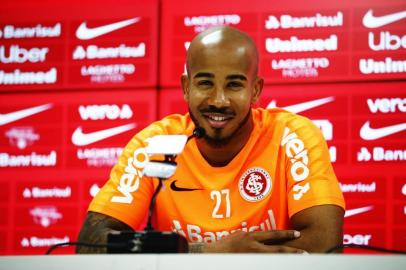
(280, 117)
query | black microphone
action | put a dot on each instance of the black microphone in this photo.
(198, 133)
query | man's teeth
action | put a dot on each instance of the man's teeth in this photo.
(217, 118)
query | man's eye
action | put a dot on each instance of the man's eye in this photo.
(235, 85)
(205, 83)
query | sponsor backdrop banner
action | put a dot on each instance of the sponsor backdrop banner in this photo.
(76, 44)
(79, 78)
(315, 41)
(56, 151)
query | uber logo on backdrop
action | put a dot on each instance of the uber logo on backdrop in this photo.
(19, 55)
(357, 239)
(386, 41)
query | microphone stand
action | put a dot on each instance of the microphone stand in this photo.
(149, 240)
(149, 227)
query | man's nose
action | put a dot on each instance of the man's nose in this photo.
(218, 98)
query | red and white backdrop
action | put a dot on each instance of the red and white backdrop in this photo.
(79, 78)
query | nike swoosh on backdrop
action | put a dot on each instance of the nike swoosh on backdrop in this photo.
(85, 33)
(176, 188)
(300, 107)
(17, 115)
(357, 211)
(80, 139)
(371, 21)
(368, 133)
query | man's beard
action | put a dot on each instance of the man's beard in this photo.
(217, 141)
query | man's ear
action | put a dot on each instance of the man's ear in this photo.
(185, 86)
(258, 85)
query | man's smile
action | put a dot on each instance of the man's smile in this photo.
(218, 120)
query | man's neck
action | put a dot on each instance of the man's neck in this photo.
(220, 156)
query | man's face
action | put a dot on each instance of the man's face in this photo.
(221, 86)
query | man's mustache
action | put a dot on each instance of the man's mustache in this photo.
(213, 109)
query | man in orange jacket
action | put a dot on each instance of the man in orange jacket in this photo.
(257, 181)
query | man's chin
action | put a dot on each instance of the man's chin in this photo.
(217, 140)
